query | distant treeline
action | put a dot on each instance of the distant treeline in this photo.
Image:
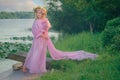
(16, 15)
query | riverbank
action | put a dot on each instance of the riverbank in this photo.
(105, 67)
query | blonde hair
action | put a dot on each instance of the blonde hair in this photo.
(35, 9)
(43, 9)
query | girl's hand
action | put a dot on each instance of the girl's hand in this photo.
(44, 36)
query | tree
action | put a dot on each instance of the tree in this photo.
(14, 15)
(82, 15)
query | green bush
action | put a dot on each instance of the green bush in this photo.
(111, 35)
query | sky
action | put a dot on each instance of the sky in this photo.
(19, 5)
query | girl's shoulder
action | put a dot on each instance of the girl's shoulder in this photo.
(45, 19)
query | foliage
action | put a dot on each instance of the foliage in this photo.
(111, 35)
(81, 41)
(11, 48)
(62, 65)
(14, 15)
(74, 16)
(30, 38)
(105, 67)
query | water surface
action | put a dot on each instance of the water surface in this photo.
(17, 28)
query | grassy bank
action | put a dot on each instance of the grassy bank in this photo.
(105, 67)
(83, 41)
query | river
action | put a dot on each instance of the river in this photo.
(17, 28)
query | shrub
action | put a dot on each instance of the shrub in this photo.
(111, 35)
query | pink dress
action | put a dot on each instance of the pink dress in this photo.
(36, 57)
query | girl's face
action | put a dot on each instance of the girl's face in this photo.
(39, 13)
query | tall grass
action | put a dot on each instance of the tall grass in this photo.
(82, 41)
(105, 67)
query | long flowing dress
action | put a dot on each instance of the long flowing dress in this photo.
(36, 57)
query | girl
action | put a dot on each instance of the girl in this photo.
(36, 58)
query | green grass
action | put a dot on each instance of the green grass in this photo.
(82, 41)
(105, 67)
